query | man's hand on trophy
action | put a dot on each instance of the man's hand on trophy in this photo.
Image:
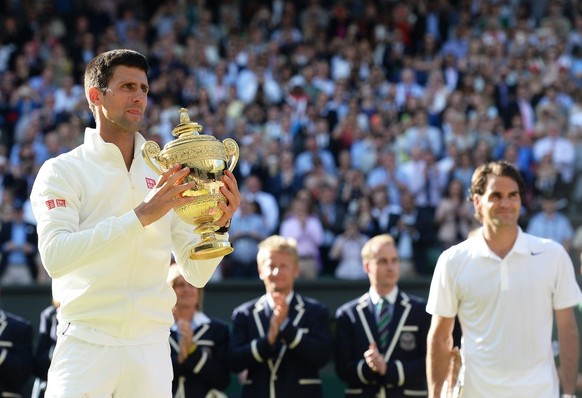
(165, 195)
(232, 195)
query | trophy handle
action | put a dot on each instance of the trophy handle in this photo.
(231, 151)
(149, 150)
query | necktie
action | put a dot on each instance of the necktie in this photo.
(383, 321)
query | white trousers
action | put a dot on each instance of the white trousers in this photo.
(82, 369)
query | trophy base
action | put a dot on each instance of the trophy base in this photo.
(211, 249)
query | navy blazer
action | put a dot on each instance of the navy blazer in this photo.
(357, 328)
(289, 368)
(206, 367)
(15, 354)
(45, 345)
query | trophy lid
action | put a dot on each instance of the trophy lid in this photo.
(188, 130)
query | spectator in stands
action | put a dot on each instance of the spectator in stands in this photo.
(454, 215)
(332, 213)
(458, 132)
(345, 251)
(523, 107)
(424, 180)
(407, 87)
(352, 186)
(550, 223)
(318, 177)
(281, 339)
(306, 159)
(382, 209)
(559, 147)
(423, 135)
(548, 180)
(253, 189)
(285, 182)
(215, 48)
(389, 174)
(247, 229)
(18, 246)
(414, 231)
(303, 226)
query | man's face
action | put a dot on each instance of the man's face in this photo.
(278, 271)
(383, 268)
(186, 294)
(500, 204)
(125, 99)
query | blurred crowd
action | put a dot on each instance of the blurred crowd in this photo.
(354, 118)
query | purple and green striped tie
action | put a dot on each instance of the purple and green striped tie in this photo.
(383, 321)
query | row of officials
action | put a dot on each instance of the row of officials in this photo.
(278, 342)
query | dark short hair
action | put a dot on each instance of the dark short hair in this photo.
(100, 69)
(499, 168)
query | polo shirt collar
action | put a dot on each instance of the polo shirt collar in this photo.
(521, 244)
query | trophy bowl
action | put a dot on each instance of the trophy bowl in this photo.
(207, 158)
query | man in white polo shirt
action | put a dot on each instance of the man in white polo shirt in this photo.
(506, 287)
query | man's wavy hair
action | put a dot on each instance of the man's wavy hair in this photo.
(499, 168)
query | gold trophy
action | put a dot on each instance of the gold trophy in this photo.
(207, 158)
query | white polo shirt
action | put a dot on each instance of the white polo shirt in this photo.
(505, 307)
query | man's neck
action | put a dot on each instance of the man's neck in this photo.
(123, 140)
(500, 240)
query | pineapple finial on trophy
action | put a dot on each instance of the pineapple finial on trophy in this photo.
(186, 126)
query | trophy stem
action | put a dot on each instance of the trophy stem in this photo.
(209, 246)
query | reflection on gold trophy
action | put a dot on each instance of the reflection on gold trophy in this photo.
(207, 158)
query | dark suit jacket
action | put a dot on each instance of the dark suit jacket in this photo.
(356, 329)
(31, 237)
(47, 340)
(290, 368)
(206, 367)
(16, 354)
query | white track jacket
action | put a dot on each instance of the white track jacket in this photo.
(108, 271)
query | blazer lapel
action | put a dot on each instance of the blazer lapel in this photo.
(261, 316)
(296, 309)
(200, 331)
(3, 321)
(402, 308)
(365, 311)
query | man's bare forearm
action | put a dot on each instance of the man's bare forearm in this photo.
(439, 346)
(569, 343)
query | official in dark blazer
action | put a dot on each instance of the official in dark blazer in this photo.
(43, 354)
(15, 354)
(281, 340)
(198, 344)
(368, 367)
(8, 244)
